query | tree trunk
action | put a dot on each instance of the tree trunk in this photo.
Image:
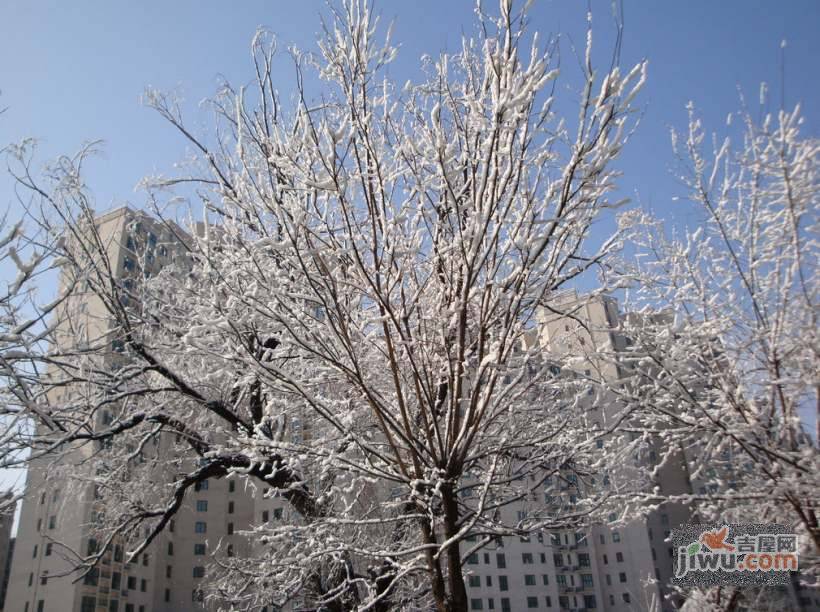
(455, 577)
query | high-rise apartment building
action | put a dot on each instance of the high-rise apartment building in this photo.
(56, 521)
(620, 567)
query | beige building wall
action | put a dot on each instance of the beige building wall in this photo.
(56, 517)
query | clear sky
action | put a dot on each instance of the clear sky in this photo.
(74, 71)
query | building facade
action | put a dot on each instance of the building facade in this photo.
(57, 521)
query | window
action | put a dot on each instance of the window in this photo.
(583, 559)
(199, 549)
(230, 507)
(231, 486)
(543, 557)
(132, 582)
(532, 602)
(34, 554)
(619, 557)
(31, 578)
(143, 585)
(202, 505)
(170, 549)
(171, 526)
(608, 580)
(654, 555)
(48, 549)
(230, 550)
(505, 605)
(616, 537)
(118, 553)
(589, 602)
(603, 539)
(199, 571)
(128, 264)
(52, 522)
(502, 583)
(529, 579)
(39, 524)
(92, 577)
(546, 579)
(622, 576)
(627, 598)
(201, 527)
(41, 605)
(606, 560)
(116, 580)
(129, 607)
(476, 604)
(113, 605)
(89, 604)
(501, 560)
(277, 513)
(230, 528)
(265, 516)
(487, 558)
(489, 581)
(490, 603)
(201, 486)
(168, 571)
(474, 581)
(472, 559)
(526, 558)
(167, 594)
(586, 580)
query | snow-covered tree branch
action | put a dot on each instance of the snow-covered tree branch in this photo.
(724, 358)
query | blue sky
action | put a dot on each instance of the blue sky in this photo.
(74, 71)
(71, 72)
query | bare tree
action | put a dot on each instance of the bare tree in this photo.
(725, 357)
(372, 264)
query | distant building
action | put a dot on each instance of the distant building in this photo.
(56, 520)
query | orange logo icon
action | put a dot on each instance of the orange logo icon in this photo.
(715, 539)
